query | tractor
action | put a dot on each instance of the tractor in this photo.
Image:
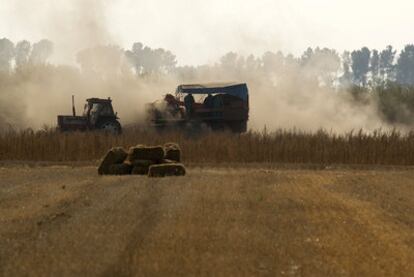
(98, 114)
(219, 106)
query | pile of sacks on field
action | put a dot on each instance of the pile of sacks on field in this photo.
(154, 161)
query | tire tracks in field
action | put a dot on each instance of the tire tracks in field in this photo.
(89, 230)
(162, 201)
(146, 221)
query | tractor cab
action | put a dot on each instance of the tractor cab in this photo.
(98, 109)
(98, 114)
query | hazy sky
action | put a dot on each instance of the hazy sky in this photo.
(199, 31)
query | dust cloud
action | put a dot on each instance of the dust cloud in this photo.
(71, 25)
(288, 96)
(88, 63)
(32, 95)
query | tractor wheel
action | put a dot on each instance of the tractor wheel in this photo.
(111, 126)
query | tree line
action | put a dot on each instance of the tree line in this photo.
(365, 68)
(384, 76)
(23, 53)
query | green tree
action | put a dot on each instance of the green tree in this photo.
(252, 63)
(41, 51)
(229, 60)
(6, 54)
(405, 66)
(396, 103)
(22, 52)
(146, 60)
(374, 66)
(386, 64)
(360, 65)
(346, 79)
(306, 56)
(321, 64)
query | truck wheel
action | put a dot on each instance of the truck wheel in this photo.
(111, 126)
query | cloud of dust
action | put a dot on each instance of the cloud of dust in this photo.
(287, 95)
(71, 25)
(281, 95)
(33, 95)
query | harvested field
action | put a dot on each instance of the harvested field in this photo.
(64, 220)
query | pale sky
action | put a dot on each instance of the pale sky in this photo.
(200, 31)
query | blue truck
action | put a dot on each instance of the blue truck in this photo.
(219, 106)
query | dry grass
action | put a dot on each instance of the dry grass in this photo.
(282, 146)
(63, 221)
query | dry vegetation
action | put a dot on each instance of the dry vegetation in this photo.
(282, 146)
(64, 221)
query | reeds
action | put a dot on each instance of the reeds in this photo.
(281, 146)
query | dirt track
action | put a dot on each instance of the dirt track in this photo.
(58, 221)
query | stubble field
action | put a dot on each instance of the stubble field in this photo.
(245, 220)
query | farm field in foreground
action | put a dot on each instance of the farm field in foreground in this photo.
(62, 220)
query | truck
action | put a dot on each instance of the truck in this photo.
(219, 106)
(98, 114)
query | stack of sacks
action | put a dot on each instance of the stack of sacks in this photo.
(154, 161)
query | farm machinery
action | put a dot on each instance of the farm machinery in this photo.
(218, 106)
(98, 114)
